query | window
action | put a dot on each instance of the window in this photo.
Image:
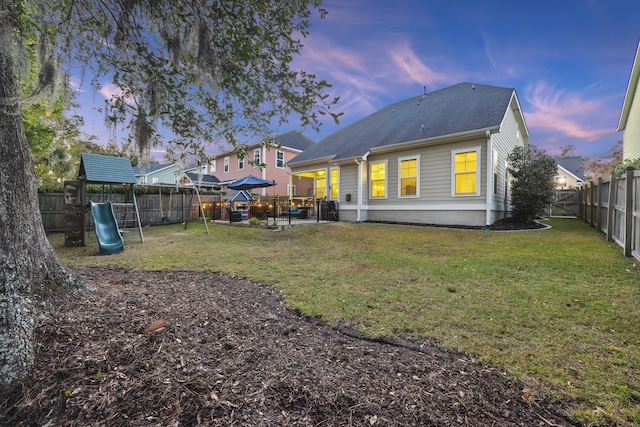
(465, 172)
(280, 159)
(291, 190)
(240, 163)
(212, 166)
(408, 178)
(226, 164)
(321, 188)
(335, 184)
(256, 157)
(155, 180)
(378, 180)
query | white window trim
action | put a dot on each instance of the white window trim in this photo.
(331, 184)
(257, 159)
(289, 188)
(478, 151)
(240, 164)
(400, 160)
(226, 165)
(386, 180)
(280, 167)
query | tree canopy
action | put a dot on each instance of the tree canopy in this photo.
(205, 71)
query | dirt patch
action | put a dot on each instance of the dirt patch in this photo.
(203, 349)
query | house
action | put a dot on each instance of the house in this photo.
(570, 173)
(157, 173)
(228, 167)
(438, 158)
(630, 117)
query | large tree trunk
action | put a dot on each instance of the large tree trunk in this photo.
(30, 274)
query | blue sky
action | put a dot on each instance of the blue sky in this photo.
(569, 60)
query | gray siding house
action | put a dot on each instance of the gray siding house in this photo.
(629, 122)
(438, 158)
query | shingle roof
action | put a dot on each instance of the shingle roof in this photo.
(294, 140)
(291, 139)
(101, 169)
(572, 164)
(457, 109)
(148, 168)
(202, 178)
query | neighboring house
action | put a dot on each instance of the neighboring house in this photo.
(156, 173)
(570, 173)
(630, 117)
(228, 167)
(439, 158)
(202, 181)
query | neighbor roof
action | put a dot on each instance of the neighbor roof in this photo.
(461, 108)
(573, 165)
(148, 168)
(101, 169)
(294, 140)
(202, 178)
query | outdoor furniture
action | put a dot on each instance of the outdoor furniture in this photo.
(234, 216)
(298, 213)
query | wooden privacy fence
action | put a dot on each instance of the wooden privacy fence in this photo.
(152, 207)
(612, 206)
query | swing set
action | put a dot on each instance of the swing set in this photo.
(165, 218)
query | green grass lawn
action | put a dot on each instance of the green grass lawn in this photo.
(558, 309)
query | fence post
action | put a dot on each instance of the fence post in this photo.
(628, 211)
(599, 205)
(611, 211)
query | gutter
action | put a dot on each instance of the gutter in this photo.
(433, 140)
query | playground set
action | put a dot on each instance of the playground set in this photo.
(115, 213)
(114, 208)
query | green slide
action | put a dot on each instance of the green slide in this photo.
(107, 232)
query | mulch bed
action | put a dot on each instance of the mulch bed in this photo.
(506, 224)
(203, 349)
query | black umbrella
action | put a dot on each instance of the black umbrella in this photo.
(249, 182)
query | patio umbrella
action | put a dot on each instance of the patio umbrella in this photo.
(249, 182)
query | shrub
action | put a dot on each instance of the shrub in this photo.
(532, 186)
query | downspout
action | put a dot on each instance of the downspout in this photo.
(489, 178)
(360, 163)
(290, 186)
(263, 157)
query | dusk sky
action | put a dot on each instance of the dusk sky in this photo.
(568, 60)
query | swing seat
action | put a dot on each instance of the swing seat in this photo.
(165, 219)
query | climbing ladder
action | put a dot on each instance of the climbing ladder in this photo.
(128, 219)
(127, 215)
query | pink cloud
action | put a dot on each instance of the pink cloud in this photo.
(565, 112)
(406, 60)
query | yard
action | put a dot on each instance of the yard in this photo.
(557, 310)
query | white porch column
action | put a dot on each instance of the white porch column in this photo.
(489, 178)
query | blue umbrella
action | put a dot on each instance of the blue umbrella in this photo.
(249, 182)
